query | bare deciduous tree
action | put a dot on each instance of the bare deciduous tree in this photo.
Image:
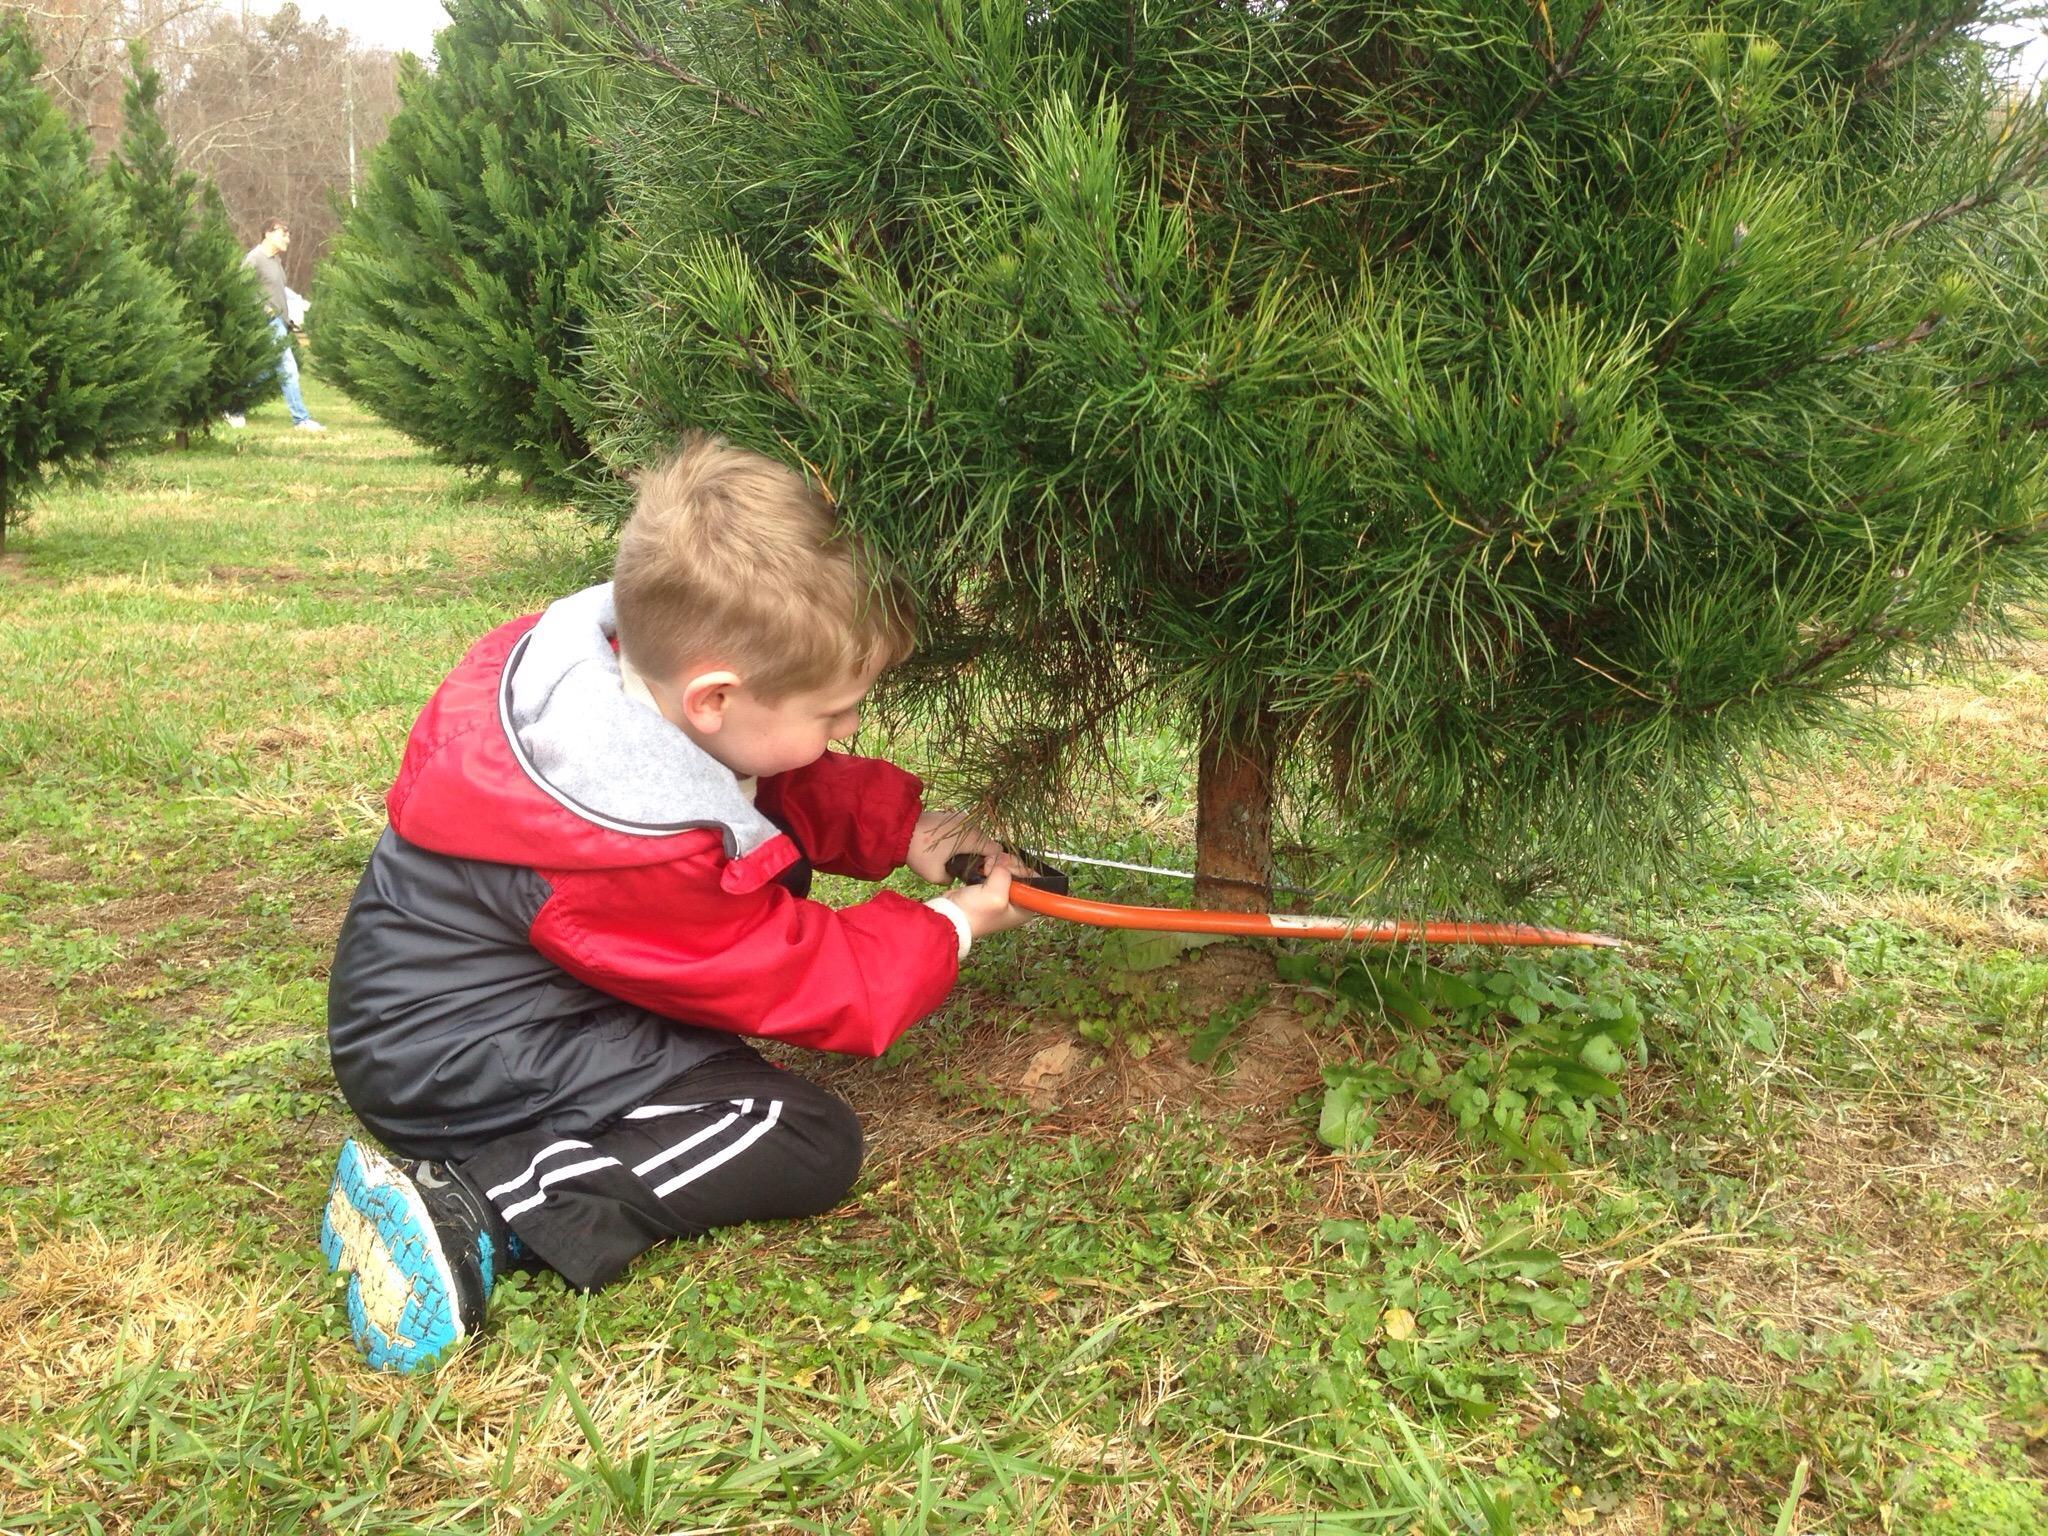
(276, 109)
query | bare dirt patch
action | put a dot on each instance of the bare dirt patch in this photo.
(1272, 1060)
(1015, 1072)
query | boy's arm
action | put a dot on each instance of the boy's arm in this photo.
(850, 815)
(762, 963)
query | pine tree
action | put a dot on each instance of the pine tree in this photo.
(454, 300)
(94, 343)
(1482, 428)
(177, 221)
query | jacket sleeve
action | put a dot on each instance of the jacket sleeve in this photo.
(850, 815)
(761, 963)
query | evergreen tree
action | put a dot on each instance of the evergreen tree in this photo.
(1482, 427)
(177, 221)
(454, 300)
(94, 344)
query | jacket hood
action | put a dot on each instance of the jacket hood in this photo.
(530, 752)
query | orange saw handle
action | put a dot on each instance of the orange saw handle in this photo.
(1046, 892)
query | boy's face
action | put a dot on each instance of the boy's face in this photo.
(757, 738)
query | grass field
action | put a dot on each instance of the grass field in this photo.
(1795, 1279)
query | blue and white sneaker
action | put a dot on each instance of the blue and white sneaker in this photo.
(419, 1252)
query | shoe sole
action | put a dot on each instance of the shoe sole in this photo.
(402, 1307)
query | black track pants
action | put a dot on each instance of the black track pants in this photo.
(732, 1140)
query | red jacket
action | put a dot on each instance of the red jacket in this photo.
(673, 923)
(507, 914)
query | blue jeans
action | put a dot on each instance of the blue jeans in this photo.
(288, 375)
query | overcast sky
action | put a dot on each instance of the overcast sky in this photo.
(411, 24)
(393, 24)
(2033, 40)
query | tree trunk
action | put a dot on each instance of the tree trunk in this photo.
(183, 438)
(1234, 812)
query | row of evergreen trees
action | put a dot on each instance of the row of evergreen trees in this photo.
(456, 300)
(1485, 427)
(124, 308)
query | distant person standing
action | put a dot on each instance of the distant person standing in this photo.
(264, 259)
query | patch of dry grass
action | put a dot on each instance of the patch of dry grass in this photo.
(80, 1308)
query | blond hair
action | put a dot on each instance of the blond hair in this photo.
(734, 560)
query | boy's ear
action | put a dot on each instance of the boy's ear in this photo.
(703, 699)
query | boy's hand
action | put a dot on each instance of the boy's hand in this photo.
(939, 835)
(987, 905)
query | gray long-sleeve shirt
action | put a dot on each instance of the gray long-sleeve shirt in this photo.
(270, 272)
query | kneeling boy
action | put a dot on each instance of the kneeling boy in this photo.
(595, 881)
